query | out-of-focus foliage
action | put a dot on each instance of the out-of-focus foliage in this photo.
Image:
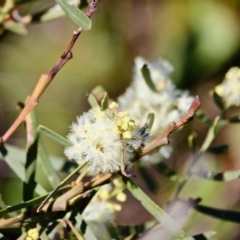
(15, 15)
(202, 41)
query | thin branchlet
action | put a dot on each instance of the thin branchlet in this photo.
(45, 79)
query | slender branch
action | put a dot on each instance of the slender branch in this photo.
(45, 79)
(163, 137)
(60, 185)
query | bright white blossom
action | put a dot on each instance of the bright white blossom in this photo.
(99, 138)
(168, 104)
(229, 89)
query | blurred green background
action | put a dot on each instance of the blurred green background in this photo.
(200, 38)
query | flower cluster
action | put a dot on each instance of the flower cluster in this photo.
(101, 210)
(167, 104)
(99, 138)
(229, 89)
(32, 234)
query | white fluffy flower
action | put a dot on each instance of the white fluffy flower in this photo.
(103, 139)
(229, 89)
(168, 104)
(95, 139)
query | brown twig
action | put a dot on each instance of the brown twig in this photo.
(45, 79)
(163, 137)
(60, 204)
(12, 222)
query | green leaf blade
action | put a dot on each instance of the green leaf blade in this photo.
(54, 136)
(147, 77)
(155, 210)
(221, 149)
(104, 102)
(227, 215)
(218, 100)
(75, 14)
(30, 171)
(166, 171)
(92, 101)
(150, 120)
(47, 167)
(11, 156)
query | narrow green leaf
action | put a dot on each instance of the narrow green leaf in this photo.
(228, 215)
(150, 182)
(47, 167)
(44, 159)
(40, 190)
(150, 120)
(13, 162)
(60, 185)
(163, 169)
(30, 171)
(104, 102)
(15, 27)
(147, 77)
(54, 12)
(31, 202)
(192, 141)
(219, 149)
(58, 163)
(212, 132)
(203, 117)
(203, 236)
(15, 165)
(92, 101)
(30, 165)
(54, 136)
(220, 176)
(75, 14)
(154, 209)
(218, 100)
